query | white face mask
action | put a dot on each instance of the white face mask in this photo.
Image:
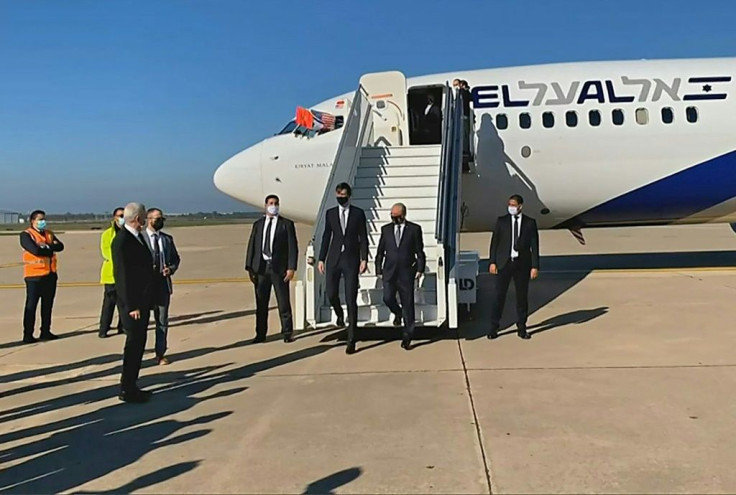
(513, 210)
(272, 210)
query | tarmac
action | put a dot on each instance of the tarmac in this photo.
(625, 386)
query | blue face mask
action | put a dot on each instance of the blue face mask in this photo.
(121, 221)
(41, 225)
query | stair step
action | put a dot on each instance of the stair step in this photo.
(430, 251)
(405, 182)
(428, 202)
(396, 170)
(413, 215)
(401, 151)
(374, 226)
(380, 315)
(427, 237)
(369, 297)
(393, 192)
(370, 281)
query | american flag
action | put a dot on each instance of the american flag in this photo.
(323, 120)
(578, 234)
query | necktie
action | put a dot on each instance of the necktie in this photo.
(156, 254)
(267, 236)
(516, 233)
(141, 239)
(397, 235)
(344, 220)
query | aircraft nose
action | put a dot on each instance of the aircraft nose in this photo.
(240, 176)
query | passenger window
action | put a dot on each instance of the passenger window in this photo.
(668, 116)
(594, 117)
(525, 121)
(617, 116)
(642, 116)
(502, 121)
(692, 114)
(571, 118)
(548, 120)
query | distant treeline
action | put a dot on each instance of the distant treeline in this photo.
(201, 215)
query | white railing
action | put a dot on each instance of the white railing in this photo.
(356, 134)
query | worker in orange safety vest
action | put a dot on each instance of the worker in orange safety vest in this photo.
(40, 246)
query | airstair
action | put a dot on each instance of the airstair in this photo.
(374, 156)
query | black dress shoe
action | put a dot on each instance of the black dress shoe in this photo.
(30, 340)
(102, 335)
(288, 339)
(260, 339)
(350, 349)
(406, 344)
(340, 322)
(492, 335)
(48, 336)
(135, 396)
(524, 335)
(397, 320)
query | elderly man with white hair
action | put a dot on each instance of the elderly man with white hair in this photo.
(135, 283)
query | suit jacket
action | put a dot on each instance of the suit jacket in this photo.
(170, 255)
(355, 238)
(528, 244)
(404, 260)
(284, 252)
(432, 124)
(135, 281)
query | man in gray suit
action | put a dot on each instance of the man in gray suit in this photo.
(165, 263)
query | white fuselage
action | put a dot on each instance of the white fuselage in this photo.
(644, 171)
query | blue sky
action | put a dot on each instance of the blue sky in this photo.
(105, 102)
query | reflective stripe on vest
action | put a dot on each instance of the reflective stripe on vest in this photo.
(38, 266)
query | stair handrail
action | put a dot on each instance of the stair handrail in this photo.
(440, 221)
(454, 196)
(356, 134)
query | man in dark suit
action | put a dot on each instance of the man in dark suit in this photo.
(514, 255)
(432, 122)
(345, 248)
(271, 261)
(135, 283)
(400, 260)
(166, 262)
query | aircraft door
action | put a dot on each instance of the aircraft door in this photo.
(387, 93)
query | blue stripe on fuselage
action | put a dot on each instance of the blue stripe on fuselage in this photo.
(672, 198)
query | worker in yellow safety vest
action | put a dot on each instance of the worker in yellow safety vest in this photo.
(40, 246)
(107, 276)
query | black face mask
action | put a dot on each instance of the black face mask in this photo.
(342, 200)
(396, 220)
(158, 224)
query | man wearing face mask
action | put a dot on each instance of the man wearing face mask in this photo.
(166, 262)
(271, 261)
(136, 285)
(400, 260)
(40, 246)
(107, 279)
(514, 255)
(345, 249)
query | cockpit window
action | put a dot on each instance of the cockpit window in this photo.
(291, 126)
(288, 128)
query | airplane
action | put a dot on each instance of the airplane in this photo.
(590, 144)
